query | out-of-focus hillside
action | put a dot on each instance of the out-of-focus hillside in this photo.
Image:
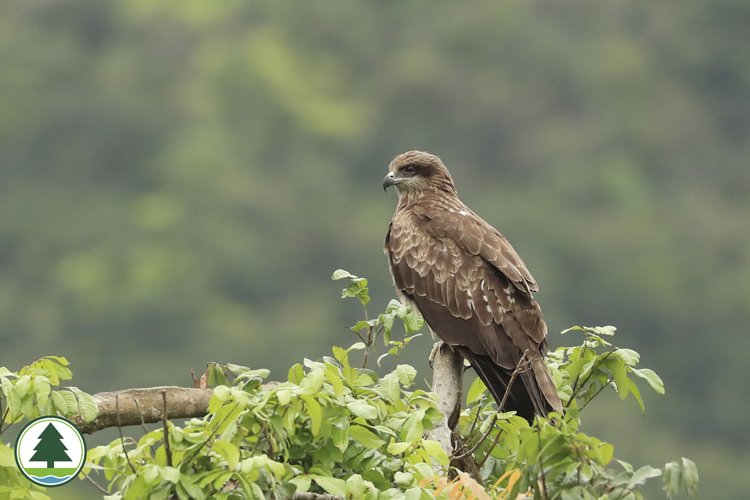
(178, 180)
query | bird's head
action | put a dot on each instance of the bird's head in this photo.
(416, 171)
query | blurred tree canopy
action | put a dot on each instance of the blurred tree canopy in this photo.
(178, 179)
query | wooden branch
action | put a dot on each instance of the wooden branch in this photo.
(314, 496)
(137, 406)
(447, 379)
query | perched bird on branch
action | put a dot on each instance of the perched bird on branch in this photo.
(471, 287)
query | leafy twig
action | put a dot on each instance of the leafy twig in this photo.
(3, 415)
(122, 439)
(98, 486)
(166, 430)
(476, 419)
(512, 379)
(369, 337)
(541, 464)
(489, 452)
(521, 362)
(143, 422)
(593, 369)
(597, 393)
(209, 439)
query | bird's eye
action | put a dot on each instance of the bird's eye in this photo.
(409, 169)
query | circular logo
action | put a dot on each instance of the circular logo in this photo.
(50, 451)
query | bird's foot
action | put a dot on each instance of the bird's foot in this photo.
(434, 351)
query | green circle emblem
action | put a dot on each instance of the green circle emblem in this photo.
(50, 451)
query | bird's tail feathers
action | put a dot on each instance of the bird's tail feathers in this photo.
(497, 378)
(532, 393)
(546, 384)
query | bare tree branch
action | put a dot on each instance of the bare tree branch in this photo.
(183, 403)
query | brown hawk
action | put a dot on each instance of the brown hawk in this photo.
(471, 287)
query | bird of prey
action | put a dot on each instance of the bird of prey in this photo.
(471, 287)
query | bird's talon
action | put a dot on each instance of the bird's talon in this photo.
(434, 352)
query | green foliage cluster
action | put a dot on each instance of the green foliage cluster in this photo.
(350, 432)
(555, 458)
(330, 427)
(27, 394)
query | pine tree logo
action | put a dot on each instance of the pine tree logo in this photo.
(50, 451)
(50, 448)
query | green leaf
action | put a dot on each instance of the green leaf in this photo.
(315, 413)
(651, 377)
(436, 451)
(340, 274)
(413, 493)
(365, 437)
(641, 475)
(355, 486)
(390, 387)
(637, 393)
(600, 330)
(222, 393)
(150, 474)
(406, 374)
(413, 427)
(284, 396)
(216, 376)
(302, 483)
(477, 389)
(340, 435)
(228, 452)
(627, 356)
(403, 479)
(60, 403)
(296, 374)
(248, 374)
(57, 366)
(413, 321)
(690, 476)
(135, 489)
(340, 354)
(171, 474)
(59, 359)
(676, 474)
(312, 383)
(41, 389)
(193, 491)
(398, 448)
(70, 401)
(362, 408)
(360, 325)
(619, 374)
(335, 380)
(11, 396)
(23, 384)
(6, 456)
(331, 485)
(87, 406)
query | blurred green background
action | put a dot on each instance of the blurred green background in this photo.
(179, 179)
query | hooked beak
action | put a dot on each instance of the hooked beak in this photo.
(388, 181)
